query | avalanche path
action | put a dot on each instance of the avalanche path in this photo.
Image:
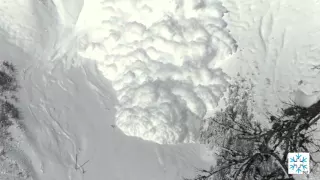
(150, 69)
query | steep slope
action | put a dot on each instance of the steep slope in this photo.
(70, 112)
(74, 81)
(69, 109)
(278, 47)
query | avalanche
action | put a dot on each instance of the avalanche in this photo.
(160, 58)
(152, 68)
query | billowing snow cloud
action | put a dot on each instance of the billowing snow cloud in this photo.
(161, 58)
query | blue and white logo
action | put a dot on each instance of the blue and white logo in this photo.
(298, 163)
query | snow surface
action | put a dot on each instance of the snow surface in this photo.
(278, 47)
(70, 109)
(305, 100)
(151, 68)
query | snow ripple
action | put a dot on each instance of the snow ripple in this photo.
(161, 58)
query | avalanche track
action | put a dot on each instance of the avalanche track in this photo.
(72, 96)
(151, 69)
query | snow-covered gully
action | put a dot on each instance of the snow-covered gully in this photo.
(123, 85)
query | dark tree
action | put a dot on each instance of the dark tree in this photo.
(9, 113)
(249, 152)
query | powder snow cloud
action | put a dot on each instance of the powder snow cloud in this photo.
(161, 58)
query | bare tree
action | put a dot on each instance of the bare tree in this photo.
(80, 167)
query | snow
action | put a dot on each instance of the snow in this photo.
(304, 100)
(278, 47)
(152, 69)
(69, 110)
(29, 24)
(68, 11)
(160, 58)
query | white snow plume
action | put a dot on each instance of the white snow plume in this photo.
(161, 57)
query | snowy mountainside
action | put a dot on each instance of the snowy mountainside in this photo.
(79, 60)
(31, 25)
(68, 112)
(278, 47)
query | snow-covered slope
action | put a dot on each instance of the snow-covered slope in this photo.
(32, 25)
(69, 110)
(88, 65)
(278, 47)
